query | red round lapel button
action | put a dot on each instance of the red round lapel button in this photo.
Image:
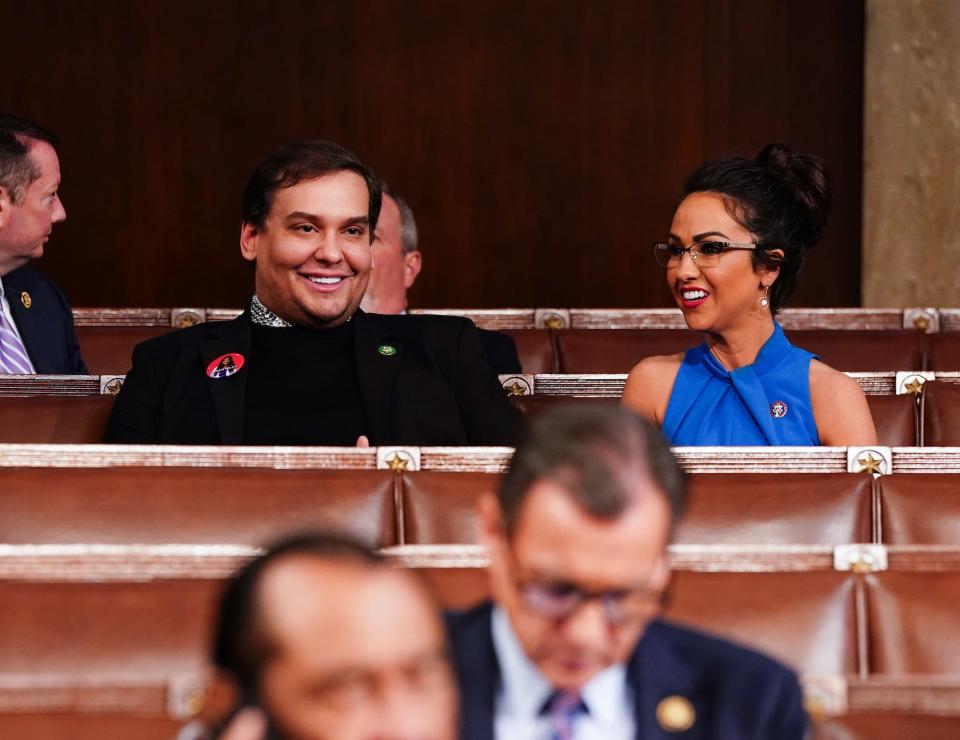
(778, 409)
(225, 365)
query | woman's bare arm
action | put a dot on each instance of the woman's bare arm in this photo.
(840, 409)
(649, 385)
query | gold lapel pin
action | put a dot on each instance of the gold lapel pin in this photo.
(675, 714)
(26, 300)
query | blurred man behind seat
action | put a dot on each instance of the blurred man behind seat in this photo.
(397, 262)
(573, 645)
(320, 638)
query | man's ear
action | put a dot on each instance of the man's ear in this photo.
(412, 262)
(660, 577)
(489, 520)
(248, 241)
(6, 203)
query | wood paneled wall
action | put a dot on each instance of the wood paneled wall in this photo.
(541, 144)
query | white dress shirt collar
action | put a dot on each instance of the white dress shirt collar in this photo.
(524, 690)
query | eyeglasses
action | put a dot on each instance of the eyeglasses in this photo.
(558, 600)
(703, 254)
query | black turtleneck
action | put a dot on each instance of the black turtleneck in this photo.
(303, 388)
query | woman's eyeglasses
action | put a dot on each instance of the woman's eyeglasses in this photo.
(703, 254)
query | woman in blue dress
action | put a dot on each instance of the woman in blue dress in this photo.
(735, 249)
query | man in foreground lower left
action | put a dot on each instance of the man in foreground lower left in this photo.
(320, 639)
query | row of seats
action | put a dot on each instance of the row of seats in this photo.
(818, 622)
(107, 350)
(60, 505)
(900, 420)
(924, 319)
(618, 350)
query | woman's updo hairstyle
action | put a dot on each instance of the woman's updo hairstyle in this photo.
(780, 197)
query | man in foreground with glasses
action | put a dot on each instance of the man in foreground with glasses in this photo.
(572, 647)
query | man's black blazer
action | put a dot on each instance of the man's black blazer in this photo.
(46, 327)
(736, 694)
(435, 390)
(501, 352)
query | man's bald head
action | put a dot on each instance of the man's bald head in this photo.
(332, 642)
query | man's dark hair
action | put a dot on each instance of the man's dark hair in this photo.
(303, 160)
(240, 645)
(780, 197)
(596, 452)
(17, 137)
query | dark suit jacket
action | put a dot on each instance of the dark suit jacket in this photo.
(46, 328)
(501, 352)
(436, 390)
(737, 694)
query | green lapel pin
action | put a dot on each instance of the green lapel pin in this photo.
(387, 350)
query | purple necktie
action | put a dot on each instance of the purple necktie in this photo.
(13, 355)
(563, 708)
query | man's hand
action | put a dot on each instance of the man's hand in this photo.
(362, 441)
(249, 724)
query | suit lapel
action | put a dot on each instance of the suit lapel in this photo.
(228, 394)
(478, 674)
(654, 673)
(378, 356)
(30, 323)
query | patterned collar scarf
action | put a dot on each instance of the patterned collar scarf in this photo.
(263, 316)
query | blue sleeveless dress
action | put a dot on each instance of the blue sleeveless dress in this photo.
(766, 403)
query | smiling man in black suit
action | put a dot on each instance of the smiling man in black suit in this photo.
(36, 324)
(304, 365)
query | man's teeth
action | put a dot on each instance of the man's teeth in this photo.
(693, 295)
(325, 280)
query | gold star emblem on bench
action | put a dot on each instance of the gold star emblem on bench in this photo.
(113, 387)
(516, 389)
(397, 464)
(870, 464)
(914, 386)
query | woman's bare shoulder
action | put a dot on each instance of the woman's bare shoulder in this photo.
(649, 385)
(657, 365)
(825, 380)
(840, 408)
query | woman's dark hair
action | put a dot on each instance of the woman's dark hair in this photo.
(303, 160)
(780, 197)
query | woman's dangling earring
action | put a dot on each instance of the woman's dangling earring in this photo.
(764, 299)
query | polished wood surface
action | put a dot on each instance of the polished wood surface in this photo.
(542, 145)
